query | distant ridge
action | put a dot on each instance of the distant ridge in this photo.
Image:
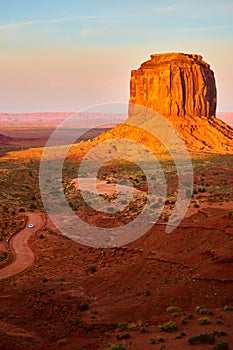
(53, 119)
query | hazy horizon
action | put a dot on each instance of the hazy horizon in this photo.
(100, 118)
(71, 55)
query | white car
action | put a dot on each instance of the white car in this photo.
(30, 225)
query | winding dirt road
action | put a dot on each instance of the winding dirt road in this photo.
(24, 257)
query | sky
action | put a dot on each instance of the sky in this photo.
(68, 55)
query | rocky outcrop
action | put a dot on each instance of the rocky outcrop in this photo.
(181, 87)
(175, 84)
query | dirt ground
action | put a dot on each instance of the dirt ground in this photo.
(154, 293)
(85, 298)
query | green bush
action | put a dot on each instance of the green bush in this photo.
(92, 269)
(173, 309)
(61, 342)
(202, 339)
(169, 327)
(117, 347)
(181, 335)
(204, 320)
(221, 346)
(82, 306)
(228, 308)
(123, 336)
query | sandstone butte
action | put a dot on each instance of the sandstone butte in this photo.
(182, 88)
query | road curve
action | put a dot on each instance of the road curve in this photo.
(24, 257)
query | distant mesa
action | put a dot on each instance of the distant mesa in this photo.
(182, 88)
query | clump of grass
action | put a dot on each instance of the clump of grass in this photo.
(184, 320)
(202, 310)
(228, 308)
(173, 309)
(220, 333)
(163, 347)
(202, 339)
(123, 326)
(180, 335)
(92, 269)
(169, 327)
(61, 342)
(144, 330)
(82, 306)
(117, 347)
(123, 336)
(221, 346)
(153, 341)
(204, 320)
(161, 340)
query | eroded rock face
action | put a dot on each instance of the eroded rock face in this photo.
(181, 87)
(175, 84)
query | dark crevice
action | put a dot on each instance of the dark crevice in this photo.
(183, 90)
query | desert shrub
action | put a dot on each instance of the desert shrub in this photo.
(123, 336)
(180, 335)
(172, 309)
(160, 340)
(228, 308)
(220, 333)
(169, 327)
(153, 341)
(202, 339)
(3, 256)
(82, 306)
(123, 326)
(147, 293)
(201, 310)
(117, 347)
(61, 342)
(204, 320)
(221, 346)
(163, 347)
(92, 269)
(144, 330)
(184, 320)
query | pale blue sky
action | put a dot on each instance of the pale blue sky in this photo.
(67, 55)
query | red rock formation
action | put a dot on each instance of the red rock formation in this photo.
(182, 88)
(175, 84)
